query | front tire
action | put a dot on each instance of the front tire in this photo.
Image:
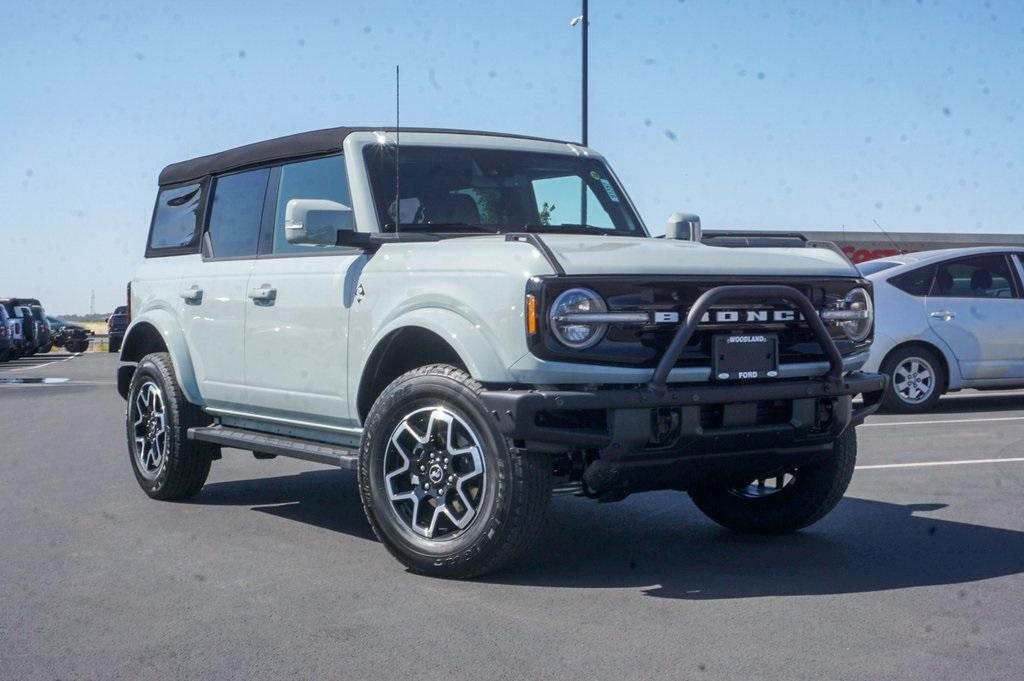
(167, 465)
(788, 500)
(440, 486)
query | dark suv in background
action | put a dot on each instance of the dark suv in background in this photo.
(7, 347)
(34, 329)
(116, 325)
(71, 337)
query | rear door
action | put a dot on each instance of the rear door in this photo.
(975, 306)
(213, 296)
(297, 330)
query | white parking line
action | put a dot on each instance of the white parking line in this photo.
(983, 393)
(1014, 459)
(883, 424)
(45, 364)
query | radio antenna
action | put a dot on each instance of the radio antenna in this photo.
(899, 251)
(398, 145)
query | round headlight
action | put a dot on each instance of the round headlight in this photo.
(577, 334)
(859, 300)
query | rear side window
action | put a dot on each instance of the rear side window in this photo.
(176, 217)
(320, 178)
(236, 212)
(915, 282)
(982, 276)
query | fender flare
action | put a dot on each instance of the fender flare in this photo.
(166, 324)
(470, 343)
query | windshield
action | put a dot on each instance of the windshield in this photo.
(458, 188)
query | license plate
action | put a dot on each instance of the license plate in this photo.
(745, 357)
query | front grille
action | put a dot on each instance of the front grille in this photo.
(638, 346)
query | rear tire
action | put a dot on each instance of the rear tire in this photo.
(917, 380)
(167, 465)
(440, 486)
(812, 492)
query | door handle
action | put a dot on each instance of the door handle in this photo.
(944, 315)
(193, 294)
(263, 294)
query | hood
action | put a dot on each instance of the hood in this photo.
(647, 256)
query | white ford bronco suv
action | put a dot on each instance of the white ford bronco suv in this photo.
(474, 321)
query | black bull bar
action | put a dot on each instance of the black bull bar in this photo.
(520, 413)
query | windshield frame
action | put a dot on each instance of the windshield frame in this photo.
(357, 148)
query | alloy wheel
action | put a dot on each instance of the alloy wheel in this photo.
(434, 473)
(913, 380)
(149, 427)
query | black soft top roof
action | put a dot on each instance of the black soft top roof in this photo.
(289, 147)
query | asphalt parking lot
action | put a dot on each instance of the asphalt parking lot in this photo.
(272, 571)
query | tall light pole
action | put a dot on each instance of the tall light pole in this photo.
(584, 20)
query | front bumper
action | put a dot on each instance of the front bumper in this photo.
(716, 417)
(661, 434)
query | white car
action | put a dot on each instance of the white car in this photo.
(947, 320)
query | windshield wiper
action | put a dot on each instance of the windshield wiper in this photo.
(573, 229)
(444, 227)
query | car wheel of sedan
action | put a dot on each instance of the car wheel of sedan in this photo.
(787, 499)
(916, 380)
(441, 487)
(167, 464)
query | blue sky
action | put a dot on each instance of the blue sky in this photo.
(786, 115)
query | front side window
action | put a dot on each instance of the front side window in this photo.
(497, 190)
(236, 212)
(320, 178)
(980, 276)
(176, 217)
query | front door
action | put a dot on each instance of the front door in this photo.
(975, 306)
(297, 322)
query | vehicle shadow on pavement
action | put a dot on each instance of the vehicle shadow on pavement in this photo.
(659, 543)
(323, 498)
(862, 546)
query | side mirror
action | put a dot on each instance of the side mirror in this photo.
(316, 221)
(683, 226)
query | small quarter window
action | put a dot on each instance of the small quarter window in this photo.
(235, 213)
(915, 282)
(176, 217)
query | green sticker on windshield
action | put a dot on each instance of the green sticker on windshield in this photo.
(594, 174)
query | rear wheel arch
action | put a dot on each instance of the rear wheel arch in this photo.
(157, 331)
(931, 347)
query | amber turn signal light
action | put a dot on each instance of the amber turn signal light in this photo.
(531, 314)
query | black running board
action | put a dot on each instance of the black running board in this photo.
(279, 445)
